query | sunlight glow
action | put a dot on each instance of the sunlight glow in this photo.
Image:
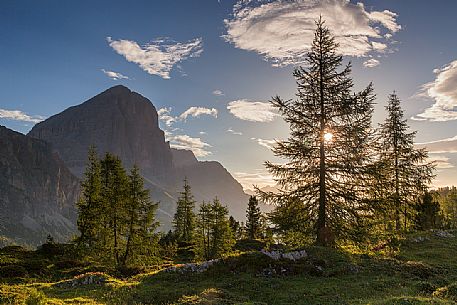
(328, 137)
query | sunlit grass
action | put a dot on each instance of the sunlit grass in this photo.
(420, 273)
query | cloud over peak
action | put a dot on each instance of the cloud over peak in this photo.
(159, 56)
(114, 75)
(196, 145)
(282, 31)
(252, 111)
(18, 115)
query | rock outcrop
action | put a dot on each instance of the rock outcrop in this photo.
(37, 191)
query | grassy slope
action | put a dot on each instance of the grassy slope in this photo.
(422, 273)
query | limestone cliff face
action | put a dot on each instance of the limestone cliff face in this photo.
(118, 121)
(126, 124)
(37, 191)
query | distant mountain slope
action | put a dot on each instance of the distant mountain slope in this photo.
(125, 123)
(37, 191)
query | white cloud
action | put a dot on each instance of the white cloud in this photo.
(202, 132)
(198, 111)
(371, 63)
(159, 56)
(443, 90)
(252, 111)
(260, 178)
(218, 92)
(282, 31)
(238, 133)
(165, 116)
(447, 145)
(17, 115)
(441, 162)
(198, 147)
(114, 75)
(269, 144)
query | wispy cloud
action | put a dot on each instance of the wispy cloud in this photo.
(269, 144)
(282, 31)
(260, 178)
(443, 90)
(18, 115)
(447, 145)
(252, 111)
(441, 162)
(114, 75)
(371, 63)
(218, 92)
(198, 111)
(199, 148)
(159, 56)
(238, 133)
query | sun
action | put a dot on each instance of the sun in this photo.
(328, 137)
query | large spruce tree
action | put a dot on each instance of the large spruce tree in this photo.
(184, 218)
(404, 171)
(327, 151)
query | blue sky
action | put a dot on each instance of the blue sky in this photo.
(211, 66)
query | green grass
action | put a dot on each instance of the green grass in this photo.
(421, 273)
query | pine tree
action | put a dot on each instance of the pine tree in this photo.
(141, 239)
(253, 219)
(404, 171)
(89, 203)
(184, 218)
(327, 150)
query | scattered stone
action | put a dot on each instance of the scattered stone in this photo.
(92, 278)
(192, 267)
(418, 239)
(277, 255)
(443, 234)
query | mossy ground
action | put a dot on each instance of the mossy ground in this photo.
(422, 272)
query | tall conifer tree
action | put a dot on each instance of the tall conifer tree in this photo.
(89, 203)
(404, 170)
(184, 218)
(253, 219)
(327, 150)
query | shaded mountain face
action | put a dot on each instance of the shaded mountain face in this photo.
(118, 121)
(126, 124)
(37, 191)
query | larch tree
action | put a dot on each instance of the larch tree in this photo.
(327, 151)
(140, 235)
(89, 203)
(114, 196)
(184, 218)
(254, 219)
(214, 234)
(404, 170)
